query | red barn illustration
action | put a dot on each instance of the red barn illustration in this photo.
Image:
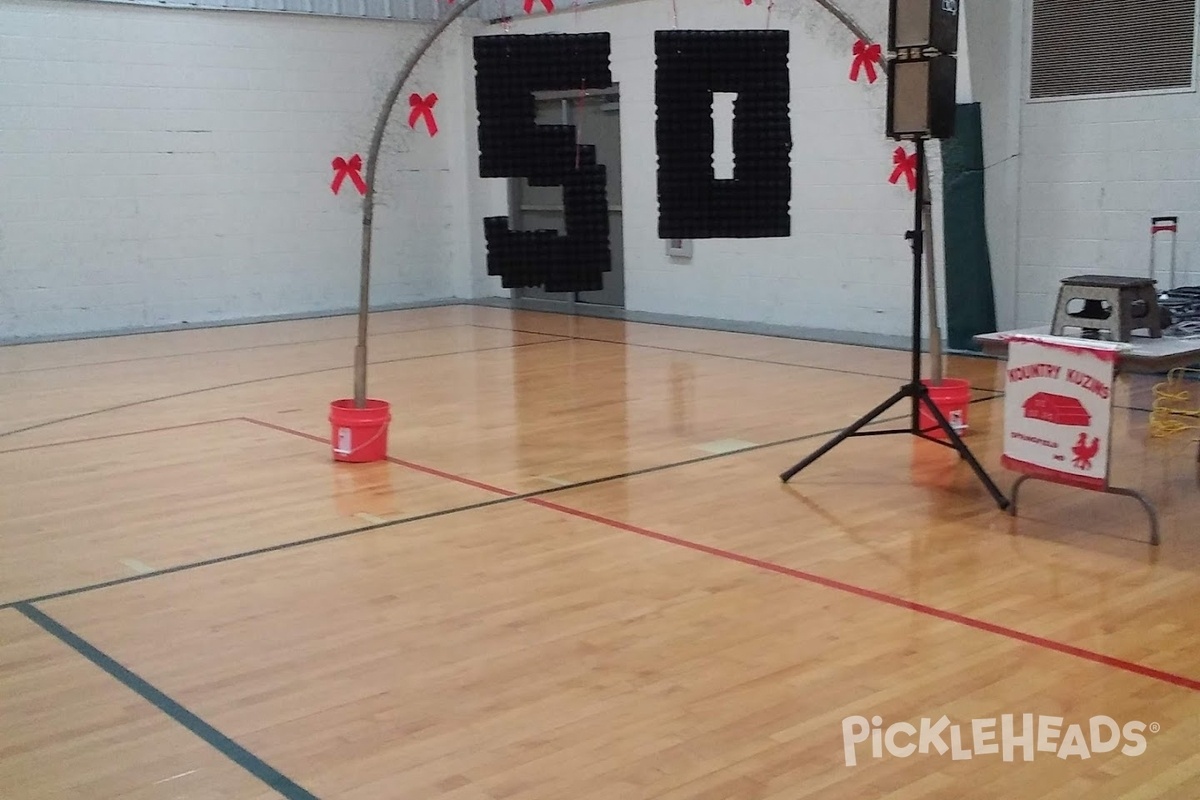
(1057, 409)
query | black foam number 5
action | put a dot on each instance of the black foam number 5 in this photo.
(508, 70)
(692, 202)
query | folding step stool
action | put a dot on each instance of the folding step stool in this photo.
(1132, 305)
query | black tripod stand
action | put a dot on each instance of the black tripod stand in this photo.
(916, 390)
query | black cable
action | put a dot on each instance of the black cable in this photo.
(1183, 305)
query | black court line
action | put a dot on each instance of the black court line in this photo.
(902, 378)
(222, 743)
(138, 432)
(86, 364)
(275, 548)
(552, 339)
(326, 537)
(750, 449)
(771, 361)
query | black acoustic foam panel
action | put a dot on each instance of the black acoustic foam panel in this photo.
(508, 70)
(692, 202)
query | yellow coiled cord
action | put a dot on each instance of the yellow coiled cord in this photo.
(1176, 407)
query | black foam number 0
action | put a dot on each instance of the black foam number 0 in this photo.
(691, 66)
(508, 70)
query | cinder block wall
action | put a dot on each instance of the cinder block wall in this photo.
(164, 166)
(1094, 174)
(167, 166)
(1072, 184)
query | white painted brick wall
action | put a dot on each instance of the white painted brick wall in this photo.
(163, 166)
(999, 106)
(847, 265)
(1094, 172)
(1072, 184)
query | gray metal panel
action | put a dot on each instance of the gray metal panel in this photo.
(1111, 46)
(362, 9)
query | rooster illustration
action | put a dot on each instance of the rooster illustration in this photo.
(1084, 452)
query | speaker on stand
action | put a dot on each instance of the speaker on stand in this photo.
(921, 104)
(922, 69)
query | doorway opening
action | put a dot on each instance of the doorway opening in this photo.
(595, 114)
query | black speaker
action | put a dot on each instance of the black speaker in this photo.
(922, 96)
(923, 24)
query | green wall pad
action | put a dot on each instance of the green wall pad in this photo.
(970, 300)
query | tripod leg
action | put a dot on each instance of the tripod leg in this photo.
(848, 432)
(964, 451)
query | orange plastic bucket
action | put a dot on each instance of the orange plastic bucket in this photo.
(359, 434)
(953, 398)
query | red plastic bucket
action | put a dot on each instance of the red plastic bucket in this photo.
(359, 434)
(953, 398)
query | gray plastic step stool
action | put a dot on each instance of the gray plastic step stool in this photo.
(1132, 304)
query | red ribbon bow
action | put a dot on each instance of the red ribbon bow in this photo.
(423, 107)
(342, 168)
(906, 165)
(546, 4)
(865, 56)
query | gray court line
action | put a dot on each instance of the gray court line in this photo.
(135, 403)
(160, 700)
(732, 357)
(326, 537)
(766, 360)
(215, 352)
(106, 436)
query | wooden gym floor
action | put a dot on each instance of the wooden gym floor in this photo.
(578, 577)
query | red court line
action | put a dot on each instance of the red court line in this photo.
(871, 594)
(487, 487)
(829, 583)
(163, 429)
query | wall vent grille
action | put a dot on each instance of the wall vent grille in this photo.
(1088, 47)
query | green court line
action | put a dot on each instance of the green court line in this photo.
(222, 743)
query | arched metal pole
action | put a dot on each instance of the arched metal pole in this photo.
(368, 203)
(846, 20)
(360, 352)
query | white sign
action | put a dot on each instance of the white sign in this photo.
(1058, 400)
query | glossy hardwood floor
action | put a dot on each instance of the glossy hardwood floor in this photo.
(578, 578)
